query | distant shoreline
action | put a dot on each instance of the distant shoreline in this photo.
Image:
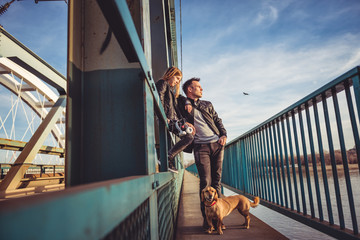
(352, 166)
(328, 167)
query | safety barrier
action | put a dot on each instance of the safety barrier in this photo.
(143, 205)
(305, 167)
(137, 224)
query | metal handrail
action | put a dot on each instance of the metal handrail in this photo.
(143, 205)
(264, 160)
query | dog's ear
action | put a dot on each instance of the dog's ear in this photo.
(202, 195)
(216, 196)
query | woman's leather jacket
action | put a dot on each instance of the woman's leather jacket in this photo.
(168, 100)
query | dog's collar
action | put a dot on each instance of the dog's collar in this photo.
(213, 203)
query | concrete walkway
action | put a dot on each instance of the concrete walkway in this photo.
(189, 224)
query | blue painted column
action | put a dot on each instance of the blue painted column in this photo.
(108, 109)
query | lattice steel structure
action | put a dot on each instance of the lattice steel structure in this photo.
(42, 89)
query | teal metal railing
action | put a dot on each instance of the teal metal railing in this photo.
(304, 161)
(142, 206)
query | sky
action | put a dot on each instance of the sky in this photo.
(277, 51)
(42, 27)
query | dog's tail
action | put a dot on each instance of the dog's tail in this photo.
(255, 203)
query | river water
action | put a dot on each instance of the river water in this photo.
(295, 230)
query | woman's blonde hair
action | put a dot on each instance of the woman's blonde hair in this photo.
(170, 72)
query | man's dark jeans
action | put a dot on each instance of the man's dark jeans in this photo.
(209, 158)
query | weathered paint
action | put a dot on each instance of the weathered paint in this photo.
(86, 212)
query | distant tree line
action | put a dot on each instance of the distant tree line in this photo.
(350, 154)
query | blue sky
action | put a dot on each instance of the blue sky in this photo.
(277, 51)
(41, 27)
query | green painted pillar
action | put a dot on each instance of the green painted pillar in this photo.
(109, 112)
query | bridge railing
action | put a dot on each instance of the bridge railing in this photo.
(304, 161)
(98, 204)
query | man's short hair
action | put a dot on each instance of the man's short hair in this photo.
(188, 83)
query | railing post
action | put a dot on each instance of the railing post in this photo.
(245, 178)
(307, 171)
(345, 161)
(286, 159)
(322, 161)
(297, 149)
(293, 164)
(281, 163)
(352, 113)
(277, 162)
(270, 165)
(333, 163)
(314, 164)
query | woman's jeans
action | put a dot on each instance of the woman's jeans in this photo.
(180, 145)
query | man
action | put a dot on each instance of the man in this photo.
(209, 140)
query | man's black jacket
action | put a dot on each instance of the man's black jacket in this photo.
(208, 112)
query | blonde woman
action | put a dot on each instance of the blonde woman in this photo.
(168, 88)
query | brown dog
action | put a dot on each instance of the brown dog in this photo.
(218, 208)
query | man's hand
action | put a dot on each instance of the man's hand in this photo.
(188, 108)
(192, 126)
(222, 140)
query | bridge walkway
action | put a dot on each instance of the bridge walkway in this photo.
(189, 225)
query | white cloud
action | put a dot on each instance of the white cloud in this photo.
(268, 15)
(276, 76)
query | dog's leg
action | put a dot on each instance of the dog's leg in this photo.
(223, 226)
(211, 226)
(219, 226)
(247, 221)
(247, 218)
